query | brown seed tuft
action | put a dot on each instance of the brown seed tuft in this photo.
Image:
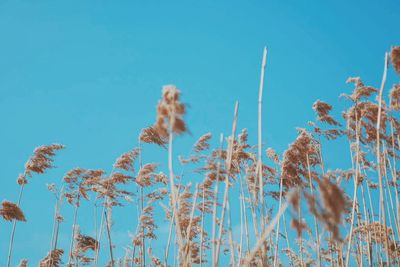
(170, 112)
(323, 110)
(395, 97)
(42, 159)
(53, 258)
(11, 211)
(395, 57)
(202, 144)
(125, 161)
(23, 263)
(151, 136)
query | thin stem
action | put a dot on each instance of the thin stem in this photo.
(228, 167)
(378, 156)
(109, 237)
(267, 231)
(73, 233)
(13, 228)
(260, 176)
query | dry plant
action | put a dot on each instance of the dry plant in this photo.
(232, 204)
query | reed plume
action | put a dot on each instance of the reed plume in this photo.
(10, 211)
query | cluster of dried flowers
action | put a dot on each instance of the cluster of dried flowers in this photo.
(333, 216)
(10, 211)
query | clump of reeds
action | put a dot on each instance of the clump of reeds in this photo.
(292, 208)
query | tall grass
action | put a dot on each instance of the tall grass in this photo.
(330, 211)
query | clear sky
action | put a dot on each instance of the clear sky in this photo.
(88, 74)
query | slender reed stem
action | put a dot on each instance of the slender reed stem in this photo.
(14, 227)
(260, 95)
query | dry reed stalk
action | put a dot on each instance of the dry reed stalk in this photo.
(382, 211)
(189, 227)
(240, 248)
(366, 219)
(108, 225)
(355, 184)
(73, 233)
(39, 162)
(300, 230)
(267, 231)
(169, 120)
(246, 227)
(228, 167)
(202, 228)
(214, 240)
(315, 218)
(57, 218)
(100, 232)
(169, 238)
(259, 162)
(394, 175)
(215, 202)
(387, 185)
(233, 257)
(278, 224)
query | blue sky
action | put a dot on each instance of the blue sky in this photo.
(88, 74)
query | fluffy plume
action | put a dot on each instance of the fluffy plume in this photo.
(53, 258)
(334, 205)
(42, 159)
(323, 110)
(294, 163)
(125, 161)
(79, 182)
(202, 144)
(84, 243)
(395, 97)
(146, 174)
(375, 230)
(151, 136)
(395, 57)
(23, 263)
(11, 211)
(170, 112)
(360, 90)
(272, 155)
